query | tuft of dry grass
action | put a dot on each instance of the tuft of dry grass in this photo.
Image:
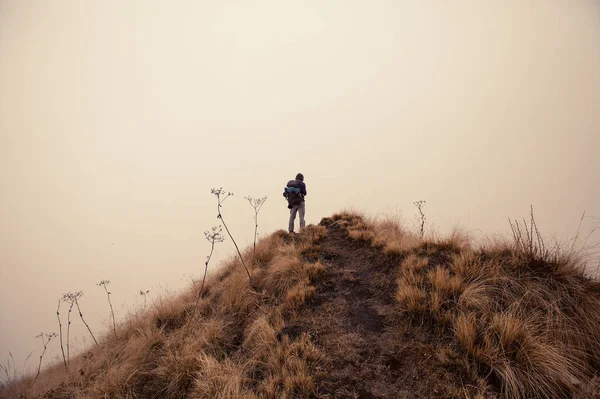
(445, 284)
(298, 294)
(525, 319)
(411, 298)
(386, 233)
(361, 230)
(414, 263)
(457, 240)
(313, 234)
(391, 235)
(465, 329)
(266, 249)
(216, 378)
(351, 217)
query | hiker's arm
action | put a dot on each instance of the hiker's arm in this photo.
(303, 189)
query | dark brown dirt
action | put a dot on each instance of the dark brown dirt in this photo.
(372, 351)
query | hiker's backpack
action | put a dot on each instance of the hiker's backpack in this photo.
(293, 194)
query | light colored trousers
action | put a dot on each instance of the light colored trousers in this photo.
(300, 209)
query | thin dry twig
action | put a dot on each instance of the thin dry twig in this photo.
(144, 293)
(256, 203)
(62, 349)
(222, 195)
(68, 298)
(213, 236)
(104, 284)
(527, 238)
(82, 319)
(420, 205)
(46, 338)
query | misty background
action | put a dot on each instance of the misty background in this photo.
(118, 117)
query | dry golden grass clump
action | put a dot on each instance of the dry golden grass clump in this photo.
(388, 234)
(528, 324)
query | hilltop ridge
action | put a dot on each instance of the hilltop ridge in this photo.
(356, 308)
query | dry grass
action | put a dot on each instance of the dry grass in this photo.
(393, 237)
(528, 320)
(517, 322)
(231, 347)
(411, 298)
(386, 233)
(523, 319)
(526, 316)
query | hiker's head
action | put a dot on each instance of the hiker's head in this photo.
(300, 177)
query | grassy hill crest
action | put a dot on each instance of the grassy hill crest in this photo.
(356, 308)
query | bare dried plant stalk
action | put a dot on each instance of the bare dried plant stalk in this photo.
(62, 349)
(72, 299)
(144, 293)
(527, 238)
(256, 203)
(213, 236)
(68, 298)
(420, 205)
(82, 319)
(46, 338)
(222, 195)
(104, 284)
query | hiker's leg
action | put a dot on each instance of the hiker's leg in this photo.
(302, 208)
(292, 218)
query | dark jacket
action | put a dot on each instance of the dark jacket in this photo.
(302, 187)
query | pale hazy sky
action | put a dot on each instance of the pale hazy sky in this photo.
(118, 117)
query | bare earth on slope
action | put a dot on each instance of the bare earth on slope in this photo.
(372, 351)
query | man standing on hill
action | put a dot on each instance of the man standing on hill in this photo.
(294, 192)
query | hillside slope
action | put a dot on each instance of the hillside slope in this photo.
(355, 308)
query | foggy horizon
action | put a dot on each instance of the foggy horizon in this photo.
(117, 118)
